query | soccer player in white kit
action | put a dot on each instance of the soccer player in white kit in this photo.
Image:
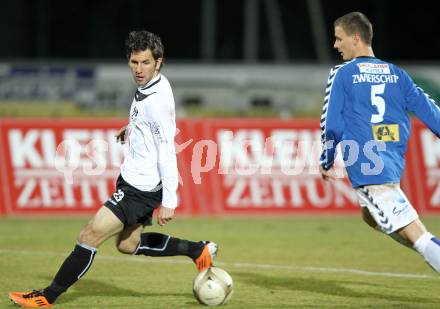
(148, 180)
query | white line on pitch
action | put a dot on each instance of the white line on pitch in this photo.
(139, 259)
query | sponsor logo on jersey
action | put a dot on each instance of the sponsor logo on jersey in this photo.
(154, 127)
(374, 68)
(134, 114)
(386, 132)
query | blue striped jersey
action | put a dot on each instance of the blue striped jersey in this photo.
(366, 111)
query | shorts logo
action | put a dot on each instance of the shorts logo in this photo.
(118, 196)
(386, 132)
(399, 211)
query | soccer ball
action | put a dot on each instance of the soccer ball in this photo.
(213, 287)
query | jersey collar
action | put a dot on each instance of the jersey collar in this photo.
(370, 57)
(151, 83)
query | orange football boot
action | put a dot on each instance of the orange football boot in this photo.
(34, 299)
(209, 252)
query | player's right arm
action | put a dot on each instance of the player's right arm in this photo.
(332, 122)
(120, 136)
(423, 106)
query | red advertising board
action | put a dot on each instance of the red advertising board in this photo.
(424, 168)
(33, 183)
(37, 180)
(225, 167)
(271, 166)
(3, 176)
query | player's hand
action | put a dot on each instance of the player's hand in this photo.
(165, 215)
(120, 136)
(327, 175)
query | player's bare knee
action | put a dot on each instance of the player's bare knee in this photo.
(368, 219)
(86, 237)
(126, 247)
(89, 235)
(128, 240)
(371, 224)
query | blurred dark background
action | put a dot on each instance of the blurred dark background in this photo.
(212, 30)
(224, 58)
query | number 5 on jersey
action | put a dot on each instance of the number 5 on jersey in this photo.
(378, 101)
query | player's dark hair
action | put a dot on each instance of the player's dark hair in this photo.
(356, 22)
(142, 40)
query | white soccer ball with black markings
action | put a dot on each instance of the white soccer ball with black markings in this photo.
(213, 287)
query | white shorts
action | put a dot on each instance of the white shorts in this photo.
(388, 206)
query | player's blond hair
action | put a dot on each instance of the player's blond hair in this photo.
(356, 23)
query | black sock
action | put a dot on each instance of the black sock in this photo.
(73, 268)
(155, 244)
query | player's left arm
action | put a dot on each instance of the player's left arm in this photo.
(423, 106)
(164, 215)
(161, 122)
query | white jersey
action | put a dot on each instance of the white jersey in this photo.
(150, 156)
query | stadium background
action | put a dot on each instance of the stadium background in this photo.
(256, 68)
(248, 60)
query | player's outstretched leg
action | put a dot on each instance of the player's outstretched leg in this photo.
(156, 244)
(73, 268)
(423, 242)
(102, 226)
(368, 218)
(429, 247)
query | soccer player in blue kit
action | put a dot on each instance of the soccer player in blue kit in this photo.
(366, 110)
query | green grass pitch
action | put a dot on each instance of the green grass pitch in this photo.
(276, 262)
